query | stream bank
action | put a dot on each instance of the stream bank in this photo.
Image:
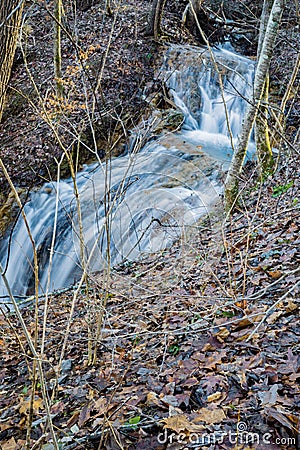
(169, 177)
(175, 341)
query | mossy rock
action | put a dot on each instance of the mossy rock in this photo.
(169, 119)
(8, 210)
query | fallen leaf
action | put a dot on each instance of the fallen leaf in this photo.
(241, 335)
(222, 334)
(170, 400)
(216, 358)
(272, 374)
(176, 423)
(242, 304)
(183, 399)
(275, 273)
(57, 407)
(280, 416)
(213, 397)
(100, 405)
(273, 317)
(84, 415)
(291, 365)
(210, 416)
(188, 364)
(4, 426)
(9, 445)
(25, 405)
(207, 347)
(291, 306)
(244, 322)
(181, 423)
(269, 397)
(153, 399)
(190, 382)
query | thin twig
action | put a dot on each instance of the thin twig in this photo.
(271, 308)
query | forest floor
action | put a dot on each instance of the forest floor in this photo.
(199, 344)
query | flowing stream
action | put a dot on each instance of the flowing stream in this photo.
(151, 194)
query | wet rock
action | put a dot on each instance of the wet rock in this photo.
(170, 119)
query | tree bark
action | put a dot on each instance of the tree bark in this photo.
(192, 11)
(155, 18)
(262, 138)
(10, 20)
(233, 176)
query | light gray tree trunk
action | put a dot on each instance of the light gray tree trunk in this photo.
(262, 138)
(10, 20)
(233, 176)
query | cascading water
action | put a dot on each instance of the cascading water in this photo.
(152, 194)
(201, 100)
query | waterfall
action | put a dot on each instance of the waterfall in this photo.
(195, 86)
(152, 195)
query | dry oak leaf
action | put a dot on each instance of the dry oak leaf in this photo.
(181, 423)
(100, 405)
(273, 317)
(282, 416)
(9, 445)
(210, 416)
(25, 405)
(216, 358)
(5, 426)
(153, 399)
(269, 397)
(291, 306)
(222, 334)
(275, 273)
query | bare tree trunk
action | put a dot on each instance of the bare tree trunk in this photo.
(232, 179)
(262, 138)
(10, 20)
(155, 18)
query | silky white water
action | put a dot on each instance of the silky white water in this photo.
(151, 194)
